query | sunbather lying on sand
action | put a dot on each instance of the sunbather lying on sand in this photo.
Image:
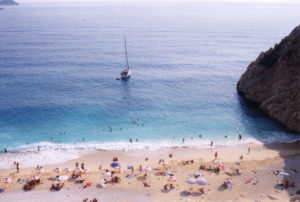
(227, 184)
(146, 184)
(168, 186)
(57, 187)
(285, 183)
(31, 184)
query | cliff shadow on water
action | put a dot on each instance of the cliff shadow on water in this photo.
(288, 151)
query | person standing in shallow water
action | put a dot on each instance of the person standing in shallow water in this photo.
(240, 136)
(5, 151)
(182, 140)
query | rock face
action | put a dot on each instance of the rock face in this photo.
(8, 2)
(273, 81)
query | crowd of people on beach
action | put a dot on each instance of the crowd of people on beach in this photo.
(113, 176)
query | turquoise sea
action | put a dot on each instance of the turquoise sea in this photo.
(59, 64)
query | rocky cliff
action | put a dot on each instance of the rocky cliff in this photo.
(8, 2)
(273, 81)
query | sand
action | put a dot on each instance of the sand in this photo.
(259, 164)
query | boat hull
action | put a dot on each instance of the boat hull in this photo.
(126, 73)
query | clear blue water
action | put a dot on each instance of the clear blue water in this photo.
(58, 69)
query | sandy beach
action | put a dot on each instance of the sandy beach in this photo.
(256, 182)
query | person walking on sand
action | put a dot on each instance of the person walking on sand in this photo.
(82, 166)
(216, 154)
(76, 164)
(17, 166)
(132, 169)
(211, 145)
(248, 150)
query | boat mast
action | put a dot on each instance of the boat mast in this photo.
(126, 52)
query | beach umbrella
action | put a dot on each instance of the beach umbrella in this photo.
(6, 180)
(39, 171)
(118, 169)
(219, 164)
(66, 170)
(56, 170)
(284, 173)
(172, 179)
(35, 177)
(84, 171)
(62, 178)
(191, 181)
(106, 175)
(201, 181)
(114, 164)
(77, 170)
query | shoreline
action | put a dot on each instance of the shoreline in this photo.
(49, 152)
(262, 159)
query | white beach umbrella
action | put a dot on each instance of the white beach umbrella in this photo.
(62, 178)
(284, 173)
(147, 169)
(201, 181)
(190, 181)
(57, 170)
(40, 171)
(106, 175)
(66, 170)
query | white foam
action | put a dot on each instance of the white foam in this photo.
(51, 153)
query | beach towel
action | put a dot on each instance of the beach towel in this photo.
(6, 180)
(228, 173)
(129, 176)
(20, 181)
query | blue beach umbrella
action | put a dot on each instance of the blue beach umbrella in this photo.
(114, 164)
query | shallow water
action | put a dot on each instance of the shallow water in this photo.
(59, 64)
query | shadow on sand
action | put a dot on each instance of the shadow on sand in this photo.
(288, 151)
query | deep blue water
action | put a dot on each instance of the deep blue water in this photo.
(58, 69)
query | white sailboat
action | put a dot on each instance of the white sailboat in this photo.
(126, 73)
